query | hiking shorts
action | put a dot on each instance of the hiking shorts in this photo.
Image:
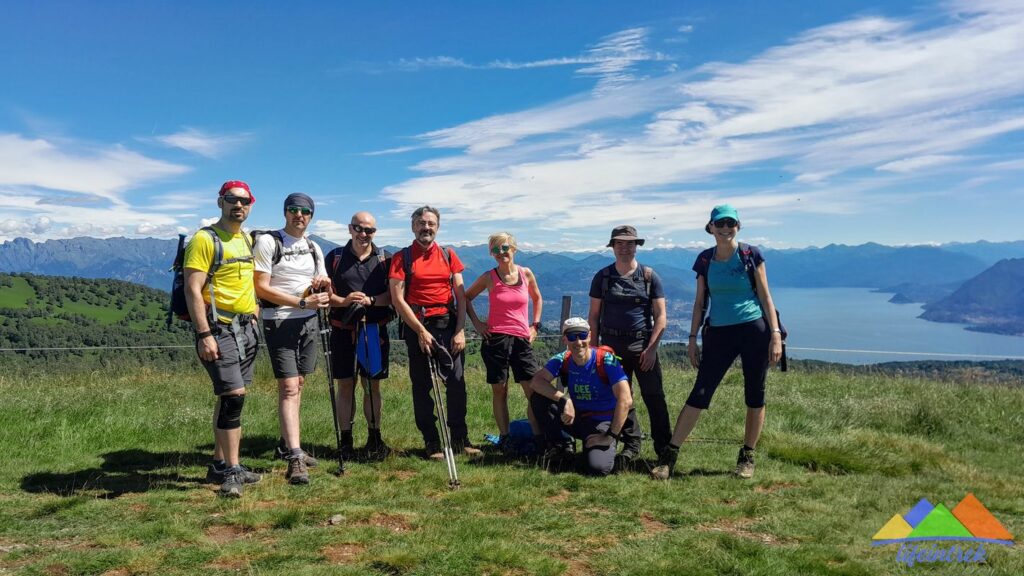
(292, 346)
(343, 354)
(502, 351)
(230, 371)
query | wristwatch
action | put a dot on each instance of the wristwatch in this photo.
(617, 437)
(373, 300)
(536, 326)
(302, 303)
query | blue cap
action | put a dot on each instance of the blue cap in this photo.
(724, 211)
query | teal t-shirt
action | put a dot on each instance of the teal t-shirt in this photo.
(732, 299)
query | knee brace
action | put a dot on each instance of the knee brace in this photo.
(229, 417)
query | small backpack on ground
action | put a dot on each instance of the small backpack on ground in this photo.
(746, 252)
(179, 306)
(279, 252)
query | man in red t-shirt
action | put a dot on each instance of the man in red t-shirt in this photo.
(431, 303)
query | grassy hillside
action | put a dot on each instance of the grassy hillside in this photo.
(103, 474)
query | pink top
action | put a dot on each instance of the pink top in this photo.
(509, 306)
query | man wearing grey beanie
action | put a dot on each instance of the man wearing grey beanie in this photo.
(291, 283)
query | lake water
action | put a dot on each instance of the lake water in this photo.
(863, 324)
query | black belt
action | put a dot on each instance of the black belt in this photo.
(637, 334)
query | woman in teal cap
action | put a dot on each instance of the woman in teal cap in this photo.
(741, 322)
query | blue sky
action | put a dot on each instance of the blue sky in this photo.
(822, 122)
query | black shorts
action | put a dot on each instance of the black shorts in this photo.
(343, 354)
(230, 372)
(500, 351)
(749, 341)
(292, 346)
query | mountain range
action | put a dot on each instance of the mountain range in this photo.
(913, 273)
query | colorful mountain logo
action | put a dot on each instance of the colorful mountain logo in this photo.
(968, 521)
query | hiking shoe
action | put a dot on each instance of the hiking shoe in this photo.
(467, 448)
(745, 463)
(298, 472)
(281, 453)
(376, 447)
(234, 483)
(217, 476)
(433, 451)
(624, 460)
(666, 462)
(557, 456)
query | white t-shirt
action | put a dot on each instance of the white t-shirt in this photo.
(292, 275)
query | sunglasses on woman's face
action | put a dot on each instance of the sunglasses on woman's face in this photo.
(576, 336)
(725, 223)
(503, 249)
(299, 209)
(364, 230)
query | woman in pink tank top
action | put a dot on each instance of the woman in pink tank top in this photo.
(509, 330)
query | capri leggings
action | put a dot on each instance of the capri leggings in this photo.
(722, 344)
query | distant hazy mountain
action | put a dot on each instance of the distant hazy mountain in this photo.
(992, 301)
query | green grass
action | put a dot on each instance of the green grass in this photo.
(103, 474)
(16, 296)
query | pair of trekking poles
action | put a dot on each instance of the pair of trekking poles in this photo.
(436, 378)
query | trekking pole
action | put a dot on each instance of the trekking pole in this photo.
(324, 325)
(446, 439)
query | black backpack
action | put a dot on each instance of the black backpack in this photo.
(606, 276)
(278, 252)
(746, 252)
(179, 306)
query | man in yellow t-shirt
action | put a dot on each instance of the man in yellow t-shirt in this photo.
(226, 339)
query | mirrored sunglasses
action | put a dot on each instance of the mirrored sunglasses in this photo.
(299, 209)
(576, 336)
(725, 223)
(503, 249)
(245, 200)
(369, 231)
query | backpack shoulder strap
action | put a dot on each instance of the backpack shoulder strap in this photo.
(218, 252)
(599, 361)
(747, 258)
(563, 370)
(312, 251)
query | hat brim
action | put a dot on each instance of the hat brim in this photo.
(639, 241)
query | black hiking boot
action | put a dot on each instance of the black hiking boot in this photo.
(558, 456)
(347, 451)
(375, 447)
(432, 451)
(466, 447)
(626, 459)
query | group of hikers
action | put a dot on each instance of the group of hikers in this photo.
(284, 277)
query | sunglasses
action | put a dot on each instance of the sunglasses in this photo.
(503, 249)
(245, 200)
(576, 336)
(725, 223)
(297, 209)
(363, 229)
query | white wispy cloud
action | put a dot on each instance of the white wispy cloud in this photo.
(898, 98)
(202, 142)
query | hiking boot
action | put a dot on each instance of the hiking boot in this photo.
(216, 475)
(627, 458)
(282, 452)
(298, 472)
(233, 484)
(467, 448)
(557, 456)
(745, 463)
(666, 462)
(347, 451)
(375, 446)
(433, 451)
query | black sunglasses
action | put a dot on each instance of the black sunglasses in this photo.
(574, 336)
(503, 249)
(296, 209)
(245, 200)
(725, 223)
(364, 229)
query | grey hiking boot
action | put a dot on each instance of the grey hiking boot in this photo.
(281, 453)
(745, 463)
(297, 472)
(433, 451)
(216, 475)
(467, 448)
(666, 462)
(234, 483)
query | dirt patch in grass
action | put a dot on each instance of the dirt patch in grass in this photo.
(225, 533)
(10, 546)
(398, 475)
(652, 525)
(229, 563)
(740, 528)
(117, 572)
(56, 570)
(343, 553)
(774, 487)
(562, 496)
(577, 567)
(393, 522)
